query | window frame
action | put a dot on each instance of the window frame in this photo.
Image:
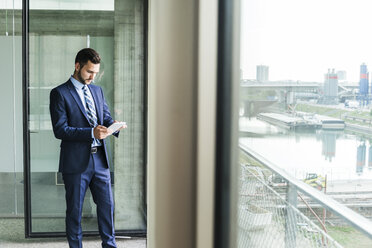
(26, 133)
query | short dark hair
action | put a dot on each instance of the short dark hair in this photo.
(87, 54)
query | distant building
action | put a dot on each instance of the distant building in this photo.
(364, 78)
(262, 73)
(341, 75)
(363, 85)
(331, 87)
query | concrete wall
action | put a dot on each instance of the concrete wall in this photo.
(129, 107)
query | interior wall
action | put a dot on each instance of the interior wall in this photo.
(11, 149)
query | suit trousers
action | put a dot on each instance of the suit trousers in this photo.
(97, 178)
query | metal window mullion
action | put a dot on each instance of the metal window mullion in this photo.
(26, 134)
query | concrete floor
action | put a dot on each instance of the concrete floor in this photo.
(44, 187)
(12, 236)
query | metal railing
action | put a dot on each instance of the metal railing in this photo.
(268, 218)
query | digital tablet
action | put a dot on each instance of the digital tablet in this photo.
(115, 126)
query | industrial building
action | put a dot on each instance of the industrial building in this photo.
(364, 85)
(262, 73)
(330, 87)
(342, 75)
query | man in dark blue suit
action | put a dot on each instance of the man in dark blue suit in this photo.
(80, 117)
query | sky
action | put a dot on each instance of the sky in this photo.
(297, 39)
(300, 40)
(60, 4)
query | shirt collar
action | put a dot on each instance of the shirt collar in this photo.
(76, 83)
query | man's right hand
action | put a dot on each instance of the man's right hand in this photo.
(101, 132)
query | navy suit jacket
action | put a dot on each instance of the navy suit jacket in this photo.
(70, 124)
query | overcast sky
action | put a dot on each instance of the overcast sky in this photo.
(297, 39)
(300, 39)
(60, 4)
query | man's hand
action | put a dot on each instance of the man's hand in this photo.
(101, 132)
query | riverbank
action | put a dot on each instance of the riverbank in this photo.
(361, 123)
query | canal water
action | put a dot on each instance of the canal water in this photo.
(339, 155)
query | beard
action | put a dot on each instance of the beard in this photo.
(81, 79)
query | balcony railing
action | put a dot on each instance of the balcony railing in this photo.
(269, 216)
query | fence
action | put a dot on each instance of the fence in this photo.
(268, 214)
(267, 220)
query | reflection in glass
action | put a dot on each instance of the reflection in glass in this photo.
(58, 29)
(11, 151)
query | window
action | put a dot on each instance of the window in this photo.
(304, 112)
(57, 31)
(11, 151)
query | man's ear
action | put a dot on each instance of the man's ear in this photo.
(77, 66)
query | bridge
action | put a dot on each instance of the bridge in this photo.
(286, 92)
(291, 85)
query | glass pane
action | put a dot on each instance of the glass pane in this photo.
(58, 30)
(11, 149)
(305, 122)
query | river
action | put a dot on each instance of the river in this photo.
(339, 155)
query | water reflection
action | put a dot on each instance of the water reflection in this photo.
(329, 143)
(370, 157)
(361, 158)
(338, 154)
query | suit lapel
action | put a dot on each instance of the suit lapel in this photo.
(97, 101)
(77, 99)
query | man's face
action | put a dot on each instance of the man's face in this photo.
(87, 73)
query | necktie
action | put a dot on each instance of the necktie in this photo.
(92, 118)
